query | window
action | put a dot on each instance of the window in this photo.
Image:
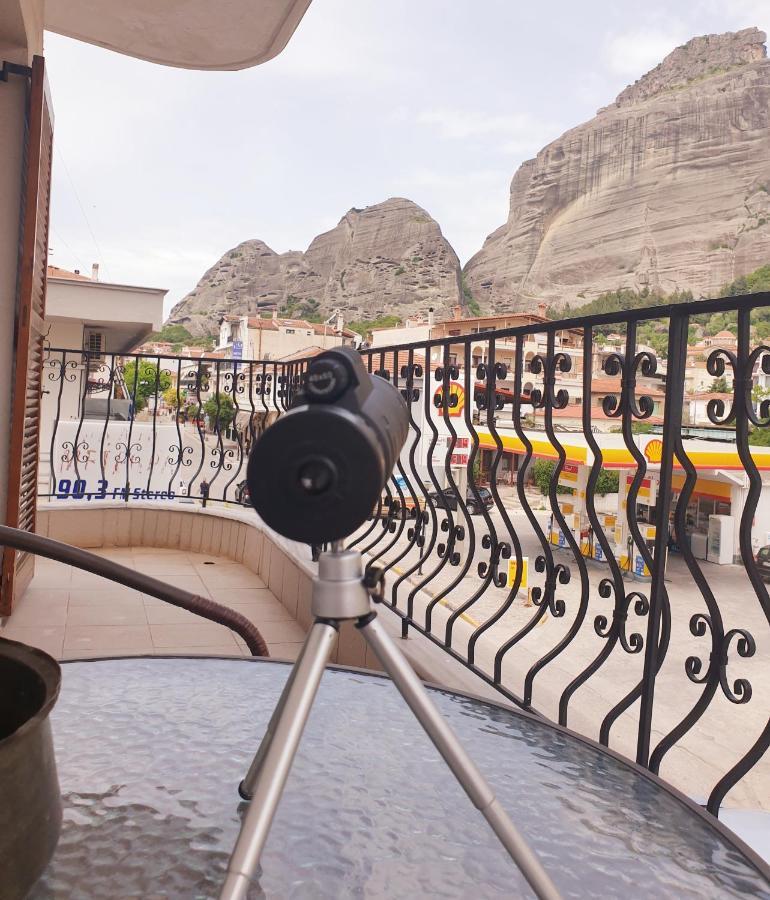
(289, 331)
(94, 343)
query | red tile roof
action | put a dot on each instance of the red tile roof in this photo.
(575, 411)
(56, 272)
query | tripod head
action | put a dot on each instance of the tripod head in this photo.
(317, 473)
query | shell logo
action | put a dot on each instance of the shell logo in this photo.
(456, 399)
(654, 451)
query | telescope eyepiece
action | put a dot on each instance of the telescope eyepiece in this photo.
(327, 380)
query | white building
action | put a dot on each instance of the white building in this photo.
(245, 337)
(83, 313)
(88, 325)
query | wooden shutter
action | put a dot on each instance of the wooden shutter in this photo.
(18, 568)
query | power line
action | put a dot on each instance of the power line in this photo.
(82, 210)
(60, 240)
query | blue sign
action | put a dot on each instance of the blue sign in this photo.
(237, 349)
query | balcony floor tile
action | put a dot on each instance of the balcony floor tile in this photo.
(73, 614)
(48, 639)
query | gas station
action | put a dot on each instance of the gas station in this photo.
(713, 512)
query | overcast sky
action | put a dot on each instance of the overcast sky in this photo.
(159, 171)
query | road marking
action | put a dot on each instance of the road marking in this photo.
(469, 619)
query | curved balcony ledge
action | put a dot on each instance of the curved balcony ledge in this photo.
(237, 533)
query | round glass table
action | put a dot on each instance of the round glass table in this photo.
(151, 750)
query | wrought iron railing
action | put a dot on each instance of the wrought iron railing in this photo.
(613, 597)
(142, 427)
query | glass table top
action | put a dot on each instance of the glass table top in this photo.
(150, 752)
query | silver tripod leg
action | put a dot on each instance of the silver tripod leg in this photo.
(246, 787)
(462, 766)
(275, 763)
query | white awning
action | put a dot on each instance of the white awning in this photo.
(190, 34)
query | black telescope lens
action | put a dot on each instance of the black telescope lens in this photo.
(316, 476)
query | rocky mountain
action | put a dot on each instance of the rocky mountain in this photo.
(666, 188)
(390, 258)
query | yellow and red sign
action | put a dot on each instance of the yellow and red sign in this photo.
(654, 450)
(568, 476)
(513, 569)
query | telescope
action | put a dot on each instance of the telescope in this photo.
(315, 476)
(317, 473)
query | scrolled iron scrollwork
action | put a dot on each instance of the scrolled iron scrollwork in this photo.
(62, 365)
(549, 366)
(127, 453)
(222, 458)
(455, 535)
(716, 365)
(499, 550)
(615, 364)
(75, 452)
(546, 596)
(179, 455)
(634, 642)
(740, 690)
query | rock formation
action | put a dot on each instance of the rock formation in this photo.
(666, 188)
(387, 258)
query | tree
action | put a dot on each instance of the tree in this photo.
(542, 473)
(364, 326)
(221, 411)
(309, 309)
(178, 336)
(720, 385)
(608, 482)
(470, 302)
(170, 397)
(759, 437)
(144, 381)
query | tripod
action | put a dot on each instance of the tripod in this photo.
(339, 594)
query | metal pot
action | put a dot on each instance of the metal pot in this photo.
(30, 802)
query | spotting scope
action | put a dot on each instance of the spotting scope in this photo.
(317, 473)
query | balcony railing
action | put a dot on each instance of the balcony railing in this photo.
(548, 525)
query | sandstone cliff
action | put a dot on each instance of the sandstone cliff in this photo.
(387, 258)
(666, 188)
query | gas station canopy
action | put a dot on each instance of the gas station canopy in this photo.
(616, 455)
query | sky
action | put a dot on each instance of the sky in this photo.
(159, 171)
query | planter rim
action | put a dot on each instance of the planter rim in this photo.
(47, 669)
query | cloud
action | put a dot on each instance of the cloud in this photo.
(460, 124)
(514, 134)
(633, 53)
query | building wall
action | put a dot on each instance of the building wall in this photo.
(395, 337)
(66, 335)
(101, 302)
(277, 344)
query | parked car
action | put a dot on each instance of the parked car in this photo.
(391, 505)
(242, 493)
(763, 562)
(447, 499)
